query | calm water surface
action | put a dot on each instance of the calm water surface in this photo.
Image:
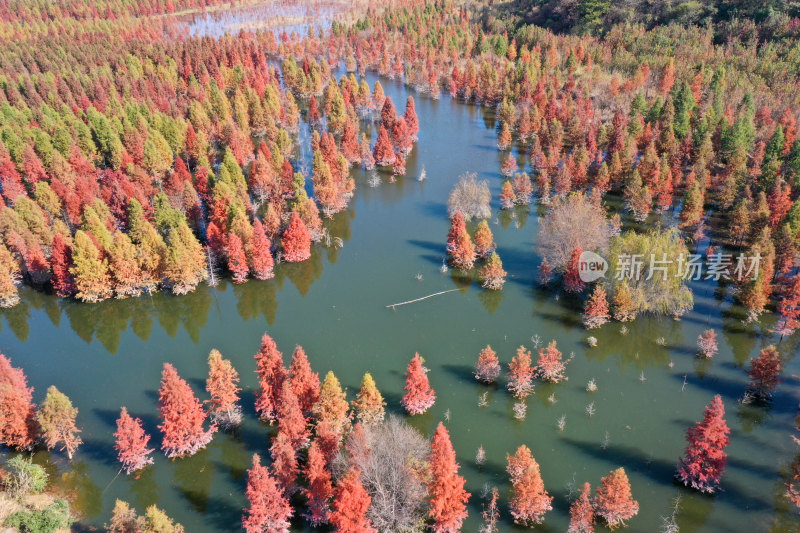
(111, 354)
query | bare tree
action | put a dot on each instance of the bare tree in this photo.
(471, 197)
(392, 458)
(573, 222)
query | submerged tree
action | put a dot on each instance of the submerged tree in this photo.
(350, 505)
(581, 513)
(222, 386)
(419, 395)
(613, 501)
(319, 488)
(182, 416)
(369, 403)
(448, 497)
(18, 426)
(520, 374)
(271, 375)
(551, 366)
(269, 509)
(707, 343)
(764, 373)
(57, 420)
(529, 499)
(131, 443)
(703, 462)
(596, 313)
(487, 369)
(491, 274)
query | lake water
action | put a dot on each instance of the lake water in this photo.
(111, 354)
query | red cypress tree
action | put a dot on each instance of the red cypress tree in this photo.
(460, 247)
(520, 374)
(271, 375)
(595, 312)
(182, 416)
(383, 153)
(401, 139)
(291, 421)
(222, 386)
(764, 373)
(789, 309)
(572, 280)
(350, 505)
(319, 489)
(614, 502)
(296, 241)
(448, 496)
(492, 274)
(305, 382)
(61, 262)
(419, 396)
(551, 365)
(581, 514)
(703, 462)
(261, 262)
(18, 427)
(412, 122)
(269, 508)
(388, 113)
(284, 462)
(707, 343)
(237, 261)
(529, 499)
(131, 443)
(487, 368)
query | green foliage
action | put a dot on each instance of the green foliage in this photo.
(24, 477)
(47, 520)
(665, 292)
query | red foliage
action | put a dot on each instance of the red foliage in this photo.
(305, 382)
(572, 280)
(410, 116)
(319, 489)
(545, 274)
(18, 427)
(448, 496)
(551, 365)
(291, 421)
(487, 368)
(261, 262)
(61, 262)
(419, 396)
(704, 460)
(131, 443)
(520, 374)
(614, 502)
(182, 416)
(269, 508)
(296, 240)
(383, 152)
(350, 505)
(595, 312)
(237, 261)
(388, 114)
(764, 373)
(460, 247)
(271, 375)
(222, 386)
(581, 514)
(529, 499)
(284, 462)
(789, 308)
(707, 343)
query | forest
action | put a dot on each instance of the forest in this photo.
(137, 158)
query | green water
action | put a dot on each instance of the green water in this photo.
(111, 354)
